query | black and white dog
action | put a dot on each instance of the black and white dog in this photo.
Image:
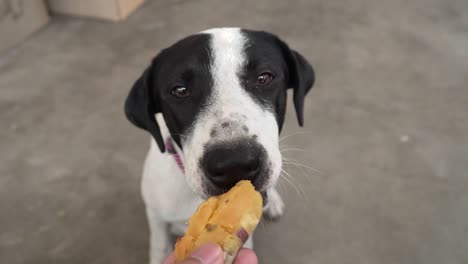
(222, 96)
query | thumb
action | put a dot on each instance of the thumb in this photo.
(206, 254)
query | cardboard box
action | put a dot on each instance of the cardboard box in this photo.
(113, 10)
(20, 18)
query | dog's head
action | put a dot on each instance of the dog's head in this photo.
(222, 94)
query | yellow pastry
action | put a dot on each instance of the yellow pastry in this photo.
(227, 220)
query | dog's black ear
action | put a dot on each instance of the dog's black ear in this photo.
(141, 106)
(301, 78)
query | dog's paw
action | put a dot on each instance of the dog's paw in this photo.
(275, 207)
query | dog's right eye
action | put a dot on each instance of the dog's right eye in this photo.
(180, 91)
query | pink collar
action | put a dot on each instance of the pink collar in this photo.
(172, 151)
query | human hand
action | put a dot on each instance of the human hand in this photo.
(212, 254)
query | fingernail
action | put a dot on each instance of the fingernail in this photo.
(208, 254)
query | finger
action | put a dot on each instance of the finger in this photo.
(170, 259)
(246, 256)
(206, 254)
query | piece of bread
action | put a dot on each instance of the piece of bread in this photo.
(227, 220)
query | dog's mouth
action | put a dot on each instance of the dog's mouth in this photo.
(214, 191)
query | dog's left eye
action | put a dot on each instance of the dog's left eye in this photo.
(265, 78)
(180, 91)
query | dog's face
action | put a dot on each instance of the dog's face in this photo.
(222, 93)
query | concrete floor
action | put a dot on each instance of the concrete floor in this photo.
(386, 124)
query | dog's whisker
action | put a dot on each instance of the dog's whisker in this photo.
(303, 174)
(293, 180)
(289, 181)
(302, 171)
(304, 166)
(281, 186)
(299, 193)
(295, 133)
(300, 166)
(292, 183)
(289, 159)
(292, 149)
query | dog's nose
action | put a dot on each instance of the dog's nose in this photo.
(226, 164)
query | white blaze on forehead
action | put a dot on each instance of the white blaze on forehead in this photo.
(227, 52)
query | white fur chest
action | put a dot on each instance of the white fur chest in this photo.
(164, 187)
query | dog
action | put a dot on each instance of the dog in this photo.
(214, 103)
